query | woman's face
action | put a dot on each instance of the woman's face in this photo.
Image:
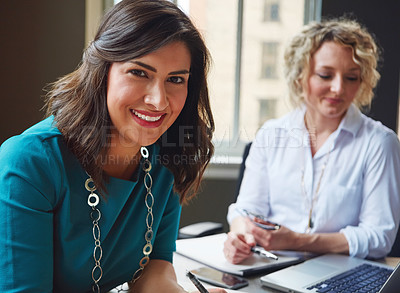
(145, 95)
(333, 82)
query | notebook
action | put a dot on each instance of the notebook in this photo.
(208, 250)
(324, 272)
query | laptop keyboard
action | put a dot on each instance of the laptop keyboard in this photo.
(365, 278)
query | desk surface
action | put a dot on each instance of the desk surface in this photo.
(182, 264)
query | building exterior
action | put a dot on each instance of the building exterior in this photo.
(260, 95)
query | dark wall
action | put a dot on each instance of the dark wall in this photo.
(41, 40)
(382, 18)
(211, 204)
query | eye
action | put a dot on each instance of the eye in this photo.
(324, 76)
(138, 72)
(353, 78)
(176, 79)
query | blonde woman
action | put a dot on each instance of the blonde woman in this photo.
(325, 172)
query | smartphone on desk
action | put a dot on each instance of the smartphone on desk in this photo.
(219, 279)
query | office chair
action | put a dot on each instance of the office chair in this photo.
(395, 252)
(242, 168)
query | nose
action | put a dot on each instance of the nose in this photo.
(157, 96)
(337, 85)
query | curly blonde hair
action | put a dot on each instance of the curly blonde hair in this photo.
(343, 31)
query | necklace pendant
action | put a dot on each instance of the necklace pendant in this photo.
(310, 225)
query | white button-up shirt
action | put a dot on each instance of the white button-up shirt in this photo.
(359, 193)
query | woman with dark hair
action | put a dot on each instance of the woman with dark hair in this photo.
(325, 171)
(90, 196)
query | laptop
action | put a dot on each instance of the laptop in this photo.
(322, 273)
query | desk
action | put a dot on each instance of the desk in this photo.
(182, 264)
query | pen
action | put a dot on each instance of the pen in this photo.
(269, 226)
(196, 282)
(263, 252)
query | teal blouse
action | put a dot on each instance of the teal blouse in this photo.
(46, 240)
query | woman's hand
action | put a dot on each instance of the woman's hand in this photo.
(281, 239)
(286, 239)
(237, 247)
(245, 234)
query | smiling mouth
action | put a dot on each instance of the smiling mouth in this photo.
(333, 100)
(147, 118)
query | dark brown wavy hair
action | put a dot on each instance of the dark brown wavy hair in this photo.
(131, 29)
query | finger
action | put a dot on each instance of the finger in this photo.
(216, 290)
(253, 229)
(262, 237)
(250, 240)
(238, 257)
(235, 257)
(236, 241)
(233, 254)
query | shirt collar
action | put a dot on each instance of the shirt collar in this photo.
(351, 121)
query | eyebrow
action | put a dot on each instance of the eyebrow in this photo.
(151, 68)
(330, 67)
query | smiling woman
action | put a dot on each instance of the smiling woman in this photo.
(91, 195)
(144, 98)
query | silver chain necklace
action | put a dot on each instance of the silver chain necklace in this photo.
(95, 215)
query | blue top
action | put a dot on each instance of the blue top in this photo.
(46, 240)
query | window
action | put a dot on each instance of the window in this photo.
(261, 71)
(269, 60)
(245, 45)
(271, 10)
(267, 110)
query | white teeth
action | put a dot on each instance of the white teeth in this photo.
(147, 118)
